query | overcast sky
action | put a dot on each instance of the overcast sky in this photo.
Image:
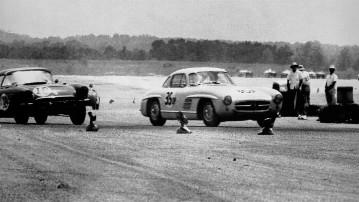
(327, 21)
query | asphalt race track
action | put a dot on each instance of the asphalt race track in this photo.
(130, 160)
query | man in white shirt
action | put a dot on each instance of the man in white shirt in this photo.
(294, 82)
(305, 94)
(331, 86)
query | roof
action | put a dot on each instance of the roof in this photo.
(9, 71)
(198, 69)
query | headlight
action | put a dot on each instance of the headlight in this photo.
(42, 91)
(278, 99)
(227, 100)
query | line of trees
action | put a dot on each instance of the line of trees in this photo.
(312, 54)
(66, 50)
(218, 51)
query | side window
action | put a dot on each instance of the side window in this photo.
(193, 79)
(1, 79)
(178, 81)
(166, 84)
(6, 81)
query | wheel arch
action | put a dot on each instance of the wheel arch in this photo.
(148, 104)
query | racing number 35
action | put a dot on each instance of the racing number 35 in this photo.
(169, 99)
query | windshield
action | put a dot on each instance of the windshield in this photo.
(210, 77)
(28, 77)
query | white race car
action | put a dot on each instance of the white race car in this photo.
(209, 94)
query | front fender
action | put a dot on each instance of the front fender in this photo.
(151, 96)
(81, 91)
(21, 95)
(203, 96)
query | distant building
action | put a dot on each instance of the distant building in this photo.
(245, 73)
(312, 74)
(320, 75)
(269, 73)
(285, 73)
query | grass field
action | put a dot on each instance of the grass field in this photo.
(144, 68)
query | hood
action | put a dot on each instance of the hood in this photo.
(243, 93)
(45, 90)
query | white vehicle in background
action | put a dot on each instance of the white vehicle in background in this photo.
(209, 94)
(269, 73)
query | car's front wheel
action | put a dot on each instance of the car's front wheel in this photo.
(78, 115)
(155, 114)
(210, 118)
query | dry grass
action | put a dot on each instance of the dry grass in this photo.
(142, 68)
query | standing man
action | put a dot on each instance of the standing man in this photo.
(331, 86)
(305, 94)
(294, 82)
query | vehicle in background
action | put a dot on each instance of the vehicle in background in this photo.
(269, 73)
(320, 75)
(245, 73)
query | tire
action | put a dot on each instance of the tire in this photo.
(155, 114)
(21, 116)
(78, 115)
(209, 115)
(40, 118)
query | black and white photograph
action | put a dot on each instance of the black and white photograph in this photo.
(179, 100)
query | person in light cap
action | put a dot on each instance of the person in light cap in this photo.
(331, 86)
(294, 82)
(305, 94)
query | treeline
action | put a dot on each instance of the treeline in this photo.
(66, 50)
(313, 55)
(98, 42)
(218, 51)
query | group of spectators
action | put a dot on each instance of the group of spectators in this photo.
(298, 84)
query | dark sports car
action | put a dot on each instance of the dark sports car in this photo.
(31, 92)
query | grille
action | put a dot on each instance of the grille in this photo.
(56, 100)
(255, 105)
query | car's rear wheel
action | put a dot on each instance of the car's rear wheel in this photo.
(78, 114)
(155, 114)
(21, 116)
(210, 118)
(40, 118)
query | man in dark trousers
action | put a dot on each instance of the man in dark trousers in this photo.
(294, 82)
(331, 86)
(305, 94)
